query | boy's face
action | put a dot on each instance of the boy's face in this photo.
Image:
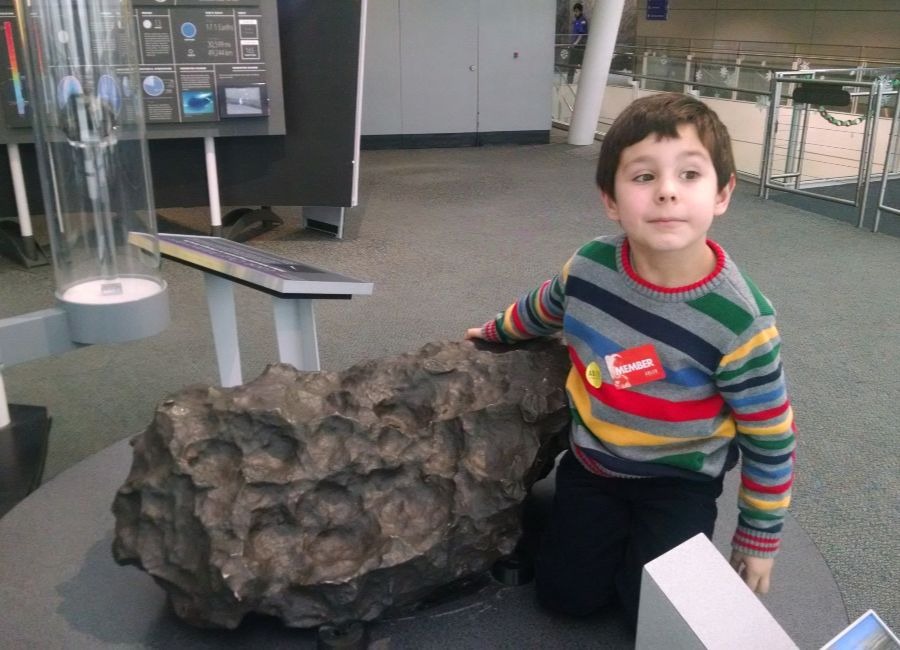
(667, 194)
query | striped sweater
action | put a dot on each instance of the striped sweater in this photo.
(723, 387)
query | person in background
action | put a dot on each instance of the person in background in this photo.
(579, 40)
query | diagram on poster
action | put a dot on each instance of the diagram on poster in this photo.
(12, 84)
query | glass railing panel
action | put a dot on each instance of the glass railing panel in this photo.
(714, 75)
(755, 75)
(664, 72)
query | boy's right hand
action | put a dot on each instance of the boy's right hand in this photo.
(475, 333)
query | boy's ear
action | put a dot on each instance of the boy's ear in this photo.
(723, 196)
(609, 204)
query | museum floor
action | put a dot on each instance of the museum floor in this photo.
(449, 237)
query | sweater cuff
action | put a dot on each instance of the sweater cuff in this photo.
(755, 543)
(489, 332)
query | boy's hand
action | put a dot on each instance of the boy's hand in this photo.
(755, 571)
(474, 333)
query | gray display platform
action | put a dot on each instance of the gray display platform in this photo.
(61, 588)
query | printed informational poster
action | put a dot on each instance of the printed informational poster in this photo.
(199, 61)
(201, 64)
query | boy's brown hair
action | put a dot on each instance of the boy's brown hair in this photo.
(662, 114)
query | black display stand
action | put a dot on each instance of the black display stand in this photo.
(23, 450)
(245, 223)
(23, 250)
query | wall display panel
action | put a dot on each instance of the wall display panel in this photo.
(204, 62)
(310, 60)
(313, 163)
(205, 68)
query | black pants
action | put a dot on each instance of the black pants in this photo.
(603, 530)
(576, 56)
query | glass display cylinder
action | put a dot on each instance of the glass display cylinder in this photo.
(95, 175)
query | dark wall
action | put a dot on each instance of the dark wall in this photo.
(311, 165)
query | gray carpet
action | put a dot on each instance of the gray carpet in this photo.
(451, 236)
(889, 223)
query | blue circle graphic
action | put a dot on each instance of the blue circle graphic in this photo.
(153, 85)
(188, 30)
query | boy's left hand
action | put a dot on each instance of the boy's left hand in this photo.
(475, 333)
(755, 571)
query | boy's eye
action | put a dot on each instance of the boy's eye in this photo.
(690, 174)
(644, 178)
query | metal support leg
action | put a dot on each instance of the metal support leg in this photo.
(4, 406)
(212, 186)
(220, 300)
(324, 218)
(20, 245)
(792, 156)
(295, 329)
(888, 157)
(868, 150)
(769, 143)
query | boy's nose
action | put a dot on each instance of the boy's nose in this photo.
(665, 194)
(666, 190)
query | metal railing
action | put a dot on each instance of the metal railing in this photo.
(871, 94)
(873, 91)
(743, 69)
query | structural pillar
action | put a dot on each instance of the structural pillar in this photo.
(604, 29)
(4, 407)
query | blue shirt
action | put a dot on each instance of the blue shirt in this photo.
(579, 28)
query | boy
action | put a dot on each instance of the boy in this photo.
(675, 367)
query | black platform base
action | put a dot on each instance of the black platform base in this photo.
(60, 587)
(23, 450)
(245, 223)
(349, 636)
(22, 250)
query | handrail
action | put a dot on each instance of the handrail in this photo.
(867, 69)
(861, 55)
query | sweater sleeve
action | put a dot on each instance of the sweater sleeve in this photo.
(537, 313)
(751, 380)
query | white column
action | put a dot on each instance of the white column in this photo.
(4, 407)
(604, 28)
(18, 181)
(212, 182)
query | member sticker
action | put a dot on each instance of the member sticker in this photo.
(634, 366)
(593, 375)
